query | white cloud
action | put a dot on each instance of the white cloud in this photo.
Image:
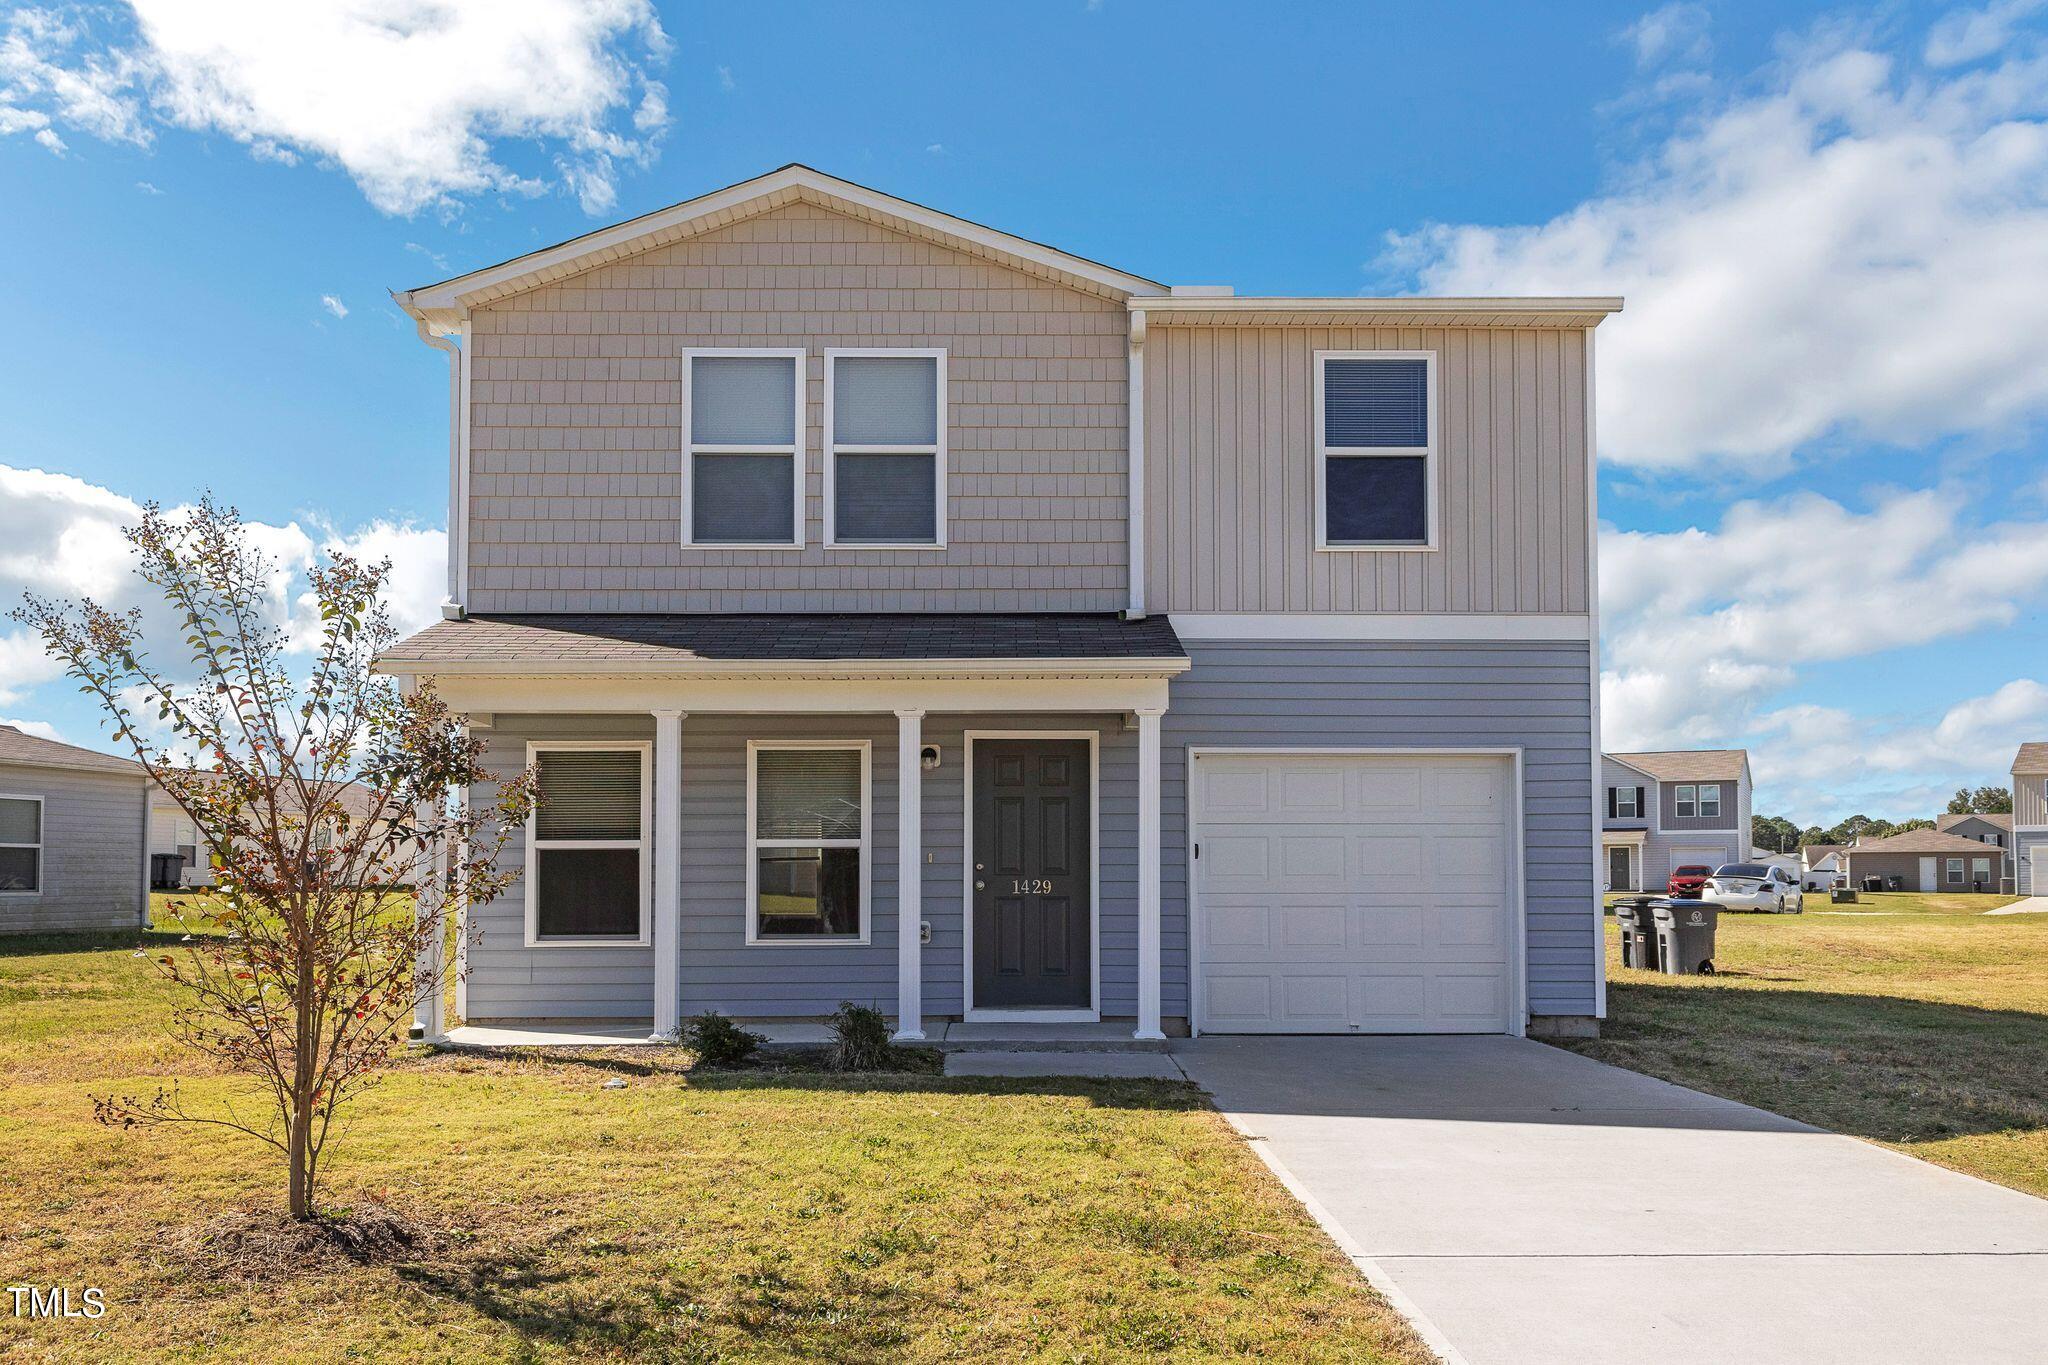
(47, 139)
(1860, 248)
(147, 188)
(725, 80)
(1703, 628)
(1970, 34)
(409, 99)
(936, 148)
(1676, 34)
(419, 572)
(333, 304)
(41, 728)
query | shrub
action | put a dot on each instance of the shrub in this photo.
(718, 1041)
(863, 1036)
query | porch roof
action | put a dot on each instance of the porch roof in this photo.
(792, 643)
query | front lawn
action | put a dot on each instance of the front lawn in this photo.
(734, 1216)
(1913, 1020)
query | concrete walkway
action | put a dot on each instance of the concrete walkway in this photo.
(2032, 905)
(1523, 1204)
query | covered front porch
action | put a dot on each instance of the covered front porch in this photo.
(832, 809)
(1621, 858)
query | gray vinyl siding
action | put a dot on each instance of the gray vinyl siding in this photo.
(95, 827)
(576, 435)
(1906, 866)
(1230, 473)
(1729, 819)
(1535, 696)
(2031, 858)
(720, 970)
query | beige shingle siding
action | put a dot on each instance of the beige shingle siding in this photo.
(1230, 473)
(576, 394)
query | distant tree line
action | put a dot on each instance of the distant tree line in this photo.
(1776, 834)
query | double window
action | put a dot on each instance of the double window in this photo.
(588, 874)
(21, 845)
(885, 448)
(807, 841)
(744, 436)
(1376, 450)
(743, 467)
(1702, 799)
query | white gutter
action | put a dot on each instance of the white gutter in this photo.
(454, 605)
(1243, 303)
(1134, 491)
(684, 668)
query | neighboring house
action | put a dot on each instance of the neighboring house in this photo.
(2030, 819)
(1672, 809)
(1788, 861)
(74, 827)
(901, 611)
(172, 831)
(1820, 865)
(1927, 860)
(1988, 829)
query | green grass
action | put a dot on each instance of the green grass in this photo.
(1916, 1021)
(752, 1215)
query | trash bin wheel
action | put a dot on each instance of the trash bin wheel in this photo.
(1707, 967)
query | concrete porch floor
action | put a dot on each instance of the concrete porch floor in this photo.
(946, 1036)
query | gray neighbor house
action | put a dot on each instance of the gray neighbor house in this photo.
(901, 611)
(74, 837)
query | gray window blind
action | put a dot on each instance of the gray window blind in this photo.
(589, 794)
(884, 499)
(739, 499)
(20, 822)
(807, 794)
(1368, 403)
(885, 400)
(742, 400)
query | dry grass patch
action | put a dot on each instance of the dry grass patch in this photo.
(1919, 1023)
(773, 1214)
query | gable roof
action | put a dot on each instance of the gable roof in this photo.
(1688, 765)
(444, 305)
(2032, 759)
(1814, 853)
(1948, 820)
(17, 747)
(1925, 841)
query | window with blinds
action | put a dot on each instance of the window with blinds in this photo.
(743, 448)
(885, 449)
(21, 845)
(587, 873)
(1375, 449)
(807, 846)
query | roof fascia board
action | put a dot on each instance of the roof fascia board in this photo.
(451, 294)
(1242, 303)
(785, 668)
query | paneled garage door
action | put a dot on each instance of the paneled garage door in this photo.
(1347, 893)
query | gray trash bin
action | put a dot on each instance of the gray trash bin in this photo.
(1685, 937)
(1638, 931)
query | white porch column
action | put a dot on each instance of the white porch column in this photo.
(429, 1010)
(668, 874)
(909, 876)
(1148, 873)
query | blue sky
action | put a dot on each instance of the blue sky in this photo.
(1822, 416)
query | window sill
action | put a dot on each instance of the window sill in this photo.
(883, 545)
(619, 942)
(1389, 547)
(743, 545)
(808, 941)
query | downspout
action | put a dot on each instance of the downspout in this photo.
(454, 605)
(1134, 495)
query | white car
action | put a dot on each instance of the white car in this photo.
(1754, 886)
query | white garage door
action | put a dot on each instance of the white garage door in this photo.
(1353, 893)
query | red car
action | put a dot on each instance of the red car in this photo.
(1688, 880)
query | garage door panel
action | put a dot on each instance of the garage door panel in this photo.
(1353, 893)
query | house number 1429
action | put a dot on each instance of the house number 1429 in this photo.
(1031, 887)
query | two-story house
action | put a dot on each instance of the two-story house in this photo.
(902, 611)
(2030, 819)
(1669, 810)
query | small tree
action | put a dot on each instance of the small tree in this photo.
(326, 796)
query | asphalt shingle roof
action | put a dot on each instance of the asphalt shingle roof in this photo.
(16, 747)
(1925, 841)
(2032, 759)
(1688, 765)
(1947, 820)
(791, 637)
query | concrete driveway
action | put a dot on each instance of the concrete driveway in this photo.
(1523, 1204)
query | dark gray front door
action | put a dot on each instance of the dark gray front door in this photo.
(1031, 873)
(1617, 869)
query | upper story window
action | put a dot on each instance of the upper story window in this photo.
(885, 448)
(1376, 445)
(1702, 799)
(743, 428)
(1627, 802)
(21, 844)
(588, 878)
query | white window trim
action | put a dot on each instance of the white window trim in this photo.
(1685, 795)
(691, 449)
(1626, 797)
(1431, 468)
(1712, 789)
(937, 450)
(865, 844)
(1957, 873)
(645, 843)
(42, 838)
